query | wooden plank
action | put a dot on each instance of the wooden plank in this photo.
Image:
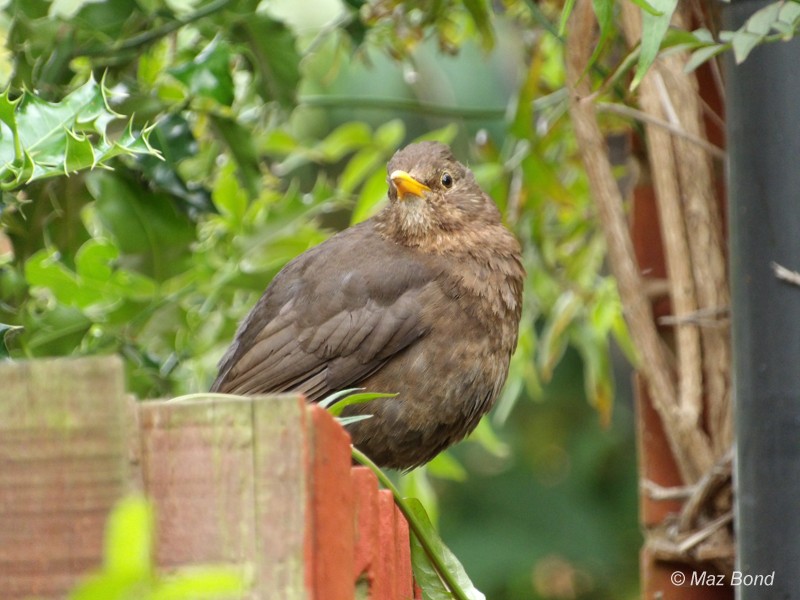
(365, 489)
(332, 516)
(63, 464)
(282, 458)
(197, 467)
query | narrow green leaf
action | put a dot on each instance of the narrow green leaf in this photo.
(424, 574)
(479, 11)
(343, 421)
(701, 55)
(359, 398)
(597, 375)
(654, 28)
(648, 8)
(554, 341)
(604, 12)
(332, 398)
(569, 5)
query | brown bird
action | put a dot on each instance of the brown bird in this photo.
(423, 300)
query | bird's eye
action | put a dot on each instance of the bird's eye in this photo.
(447, 180)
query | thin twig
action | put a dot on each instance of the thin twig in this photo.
(661, 493)
(148, 37)
(702, 317)
(633, 113)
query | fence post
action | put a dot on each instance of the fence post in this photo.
(64, 464)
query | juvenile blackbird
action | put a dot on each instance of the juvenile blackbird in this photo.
(423, 299)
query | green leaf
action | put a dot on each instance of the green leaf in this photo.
(144, 225)
(44, 139)
(650, 9)
(129, 539)
(654, 28)
(790, 13)
(198, 583)
(760, 22)
(339, 405)
(445, 134)
(597, 373)
(702, 55)
(604, 11)
(569, 5)
(343, 140)
(743, 43)
(389, 135)
(424, 573)
(371, 198)
(445, 466)
(359, 167)
(208, 75)
(479, 11)
(271, 48)
(6, 333)
(228, 196)
(554, 341)
(331, 399)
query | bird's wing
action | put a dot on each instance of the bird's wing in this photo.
(331, 318)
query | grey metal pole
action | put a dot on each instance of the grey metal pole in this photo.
(763, 128)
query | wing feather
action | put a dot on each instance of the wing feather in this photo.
(331, 318)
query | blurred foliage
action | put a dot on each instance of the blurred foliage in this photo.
(252, 131)
(129, 572)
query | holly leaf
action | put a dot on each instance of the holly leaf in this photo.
(40, 139)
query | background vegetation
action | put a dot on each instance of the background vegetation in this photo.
(163, 160)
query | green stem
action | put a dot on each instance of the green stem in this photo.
(416, 528)
(148, 37)
(395, 104)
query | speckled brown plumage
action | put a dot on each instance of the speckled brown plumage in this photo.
(423, 300)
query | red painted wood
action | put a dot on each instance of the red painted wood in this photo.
(332, 515)
(405, 580)
(365, 487)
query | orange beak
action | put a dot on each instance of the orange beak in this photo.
(406, 185)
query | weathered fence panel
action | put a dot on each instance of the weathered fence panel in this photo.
(264, 483)
(63, 464)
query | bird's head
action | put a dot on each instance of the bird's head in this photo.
(431, 194)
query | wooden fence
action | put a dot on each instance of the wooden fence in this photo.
(265, 482)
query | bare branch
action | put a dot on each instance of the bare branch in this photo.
(785, 274)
